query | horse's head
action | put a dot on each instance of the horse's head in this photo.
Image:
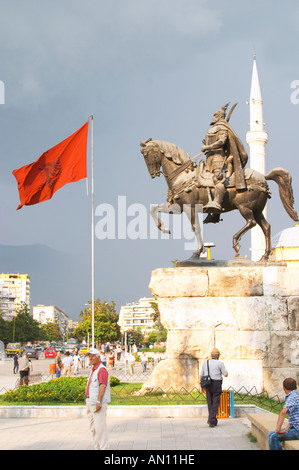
(152, 156)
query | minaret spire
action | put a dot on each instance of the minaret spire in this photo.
(256, 138)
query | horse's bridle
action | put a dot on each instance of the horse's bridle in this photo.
(178, 170)
(181, 168)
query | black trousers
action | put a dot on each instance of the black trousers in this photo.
(24, 377)
(213, 394)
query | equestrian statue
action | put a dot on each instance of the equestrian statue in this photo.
(218, 185)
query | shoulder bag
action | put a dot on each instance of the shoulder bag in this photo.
(206, 380)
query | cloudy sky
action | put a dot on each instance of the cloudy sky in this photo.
(151, 68)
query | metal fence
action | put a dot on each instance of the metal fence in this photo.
(127, 389)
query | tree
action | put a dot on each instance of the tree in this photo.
(5, 330)
(159, 333)
(105, 322)
(50, 332)
(24, 327)
(136, 335)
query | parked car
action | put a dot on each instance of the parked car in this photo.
(50, 352)
(32, 352)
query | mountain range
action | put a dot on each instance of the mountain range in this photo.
(57, 278)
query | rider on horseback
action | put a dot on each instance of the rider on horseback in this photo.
(223, 150)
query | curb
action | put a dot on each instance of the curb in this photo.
(174, 411)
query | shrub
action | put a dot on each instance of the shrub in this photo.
(114, 381)
(61, 390)
(153, 350)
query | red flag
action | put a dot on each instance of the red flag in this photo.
(62, 164)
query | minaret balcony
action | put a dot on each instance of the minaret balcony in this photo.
(256, 137)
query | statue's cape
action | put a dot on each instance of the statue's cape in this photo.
(237, 150)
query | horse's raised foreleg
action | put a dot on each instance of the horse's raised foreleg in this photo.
(166, 209)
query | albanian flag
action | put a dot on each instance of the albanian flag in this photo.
(62, 164)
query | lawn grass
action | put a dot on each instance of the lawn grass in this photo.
(49, 394)
(68, 391)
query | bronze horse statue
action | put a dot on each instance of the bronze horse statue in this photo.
(190, 188)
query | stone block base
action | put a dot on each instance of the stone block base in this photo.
(250, 313)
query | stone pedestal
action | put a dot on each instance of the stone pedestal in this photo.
(250, 313)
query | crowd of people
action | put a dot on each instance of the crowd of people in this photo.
(77, 359)
(70, 363)
(98, 396)
(98, 389)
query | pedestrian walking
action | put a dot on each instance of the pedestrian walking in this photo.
(66, 364)
(24, 366)
(82, 360)
(58, 363)
(76, 360)
(97, 399)
(16, 363)
(156, 359)
(144, 361)
(131, 362)
(291, 407)
(215, 369)
(104, 359)
(118, 353)
(111, 360)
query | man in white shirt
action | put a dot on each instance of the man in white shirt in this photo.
(66, 364)
(76, 360)
(144, 360)
(213, 392)
(131, 361)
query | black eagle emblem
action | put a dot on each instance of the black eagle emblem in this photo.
(51, 171)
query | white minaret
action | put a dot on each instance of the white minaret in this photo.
(256, 139)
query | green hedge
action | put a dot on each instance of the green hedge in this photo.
(62, 390)
(154, 350)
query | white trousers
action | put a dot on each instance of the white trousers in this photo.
(98, 425)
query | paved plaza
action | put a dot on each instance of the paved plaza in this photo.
(126, 434)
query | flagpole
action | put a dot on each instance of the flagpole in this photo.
(92, 238)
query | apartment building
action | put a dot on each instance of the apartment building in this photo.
(50, 313)
(137, 316)
(14, 289)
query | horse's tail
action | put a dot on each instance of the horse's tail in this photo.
(284, 180)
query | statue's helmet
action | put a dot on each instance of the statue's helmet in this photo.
(220, 114)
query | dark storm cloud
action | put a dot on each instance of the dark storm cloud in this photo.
(145, 69)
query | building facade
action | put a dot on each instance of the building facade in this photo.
(137, 315)
(50, 313)
(14, 289)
